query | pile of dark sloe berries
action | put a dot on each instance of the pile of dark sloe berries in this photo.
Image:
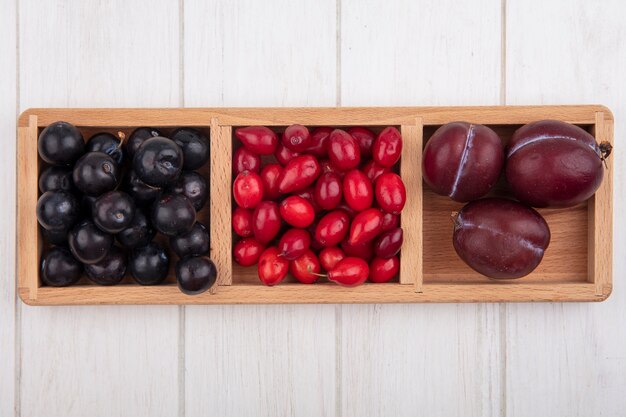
(109, 189)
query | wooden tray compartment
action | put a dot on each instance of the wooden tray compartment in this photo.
(576, 267)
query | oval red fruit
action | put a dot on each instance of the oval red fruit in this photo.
(365, 138)
(258, 139)
(330, 256)
(362, 250)
(357, 190)
(299, 173)
(269, 176)
(349, 272)
(390, 221)
(297, 138)
(365, 226)
(283, 154)
(247, 251)
(309, 195)
(246, 160)
(319, 136)
(390, 193)
(389, 243)
(332, 228)
(343, 150)
(297, 211)
(266, 221)
(242, 222)
(328, 191)
(373, 170)
(387, 147)
(382, 270)
(272, 268)
(305, 268)
(294, 243)
(248, 189)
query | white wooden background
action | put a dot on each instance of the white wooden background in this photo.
(372, 360)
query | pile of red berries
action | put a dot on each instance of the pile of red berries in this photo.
(328, 200)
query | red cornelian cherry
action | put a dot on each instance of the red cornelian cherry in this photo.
(390, 221)
(272, 267)
(258, 139)
(297, 211)
(330, 256)
(362, 250)
(383, 270)
(365, 226)
(266, 221)
(328, 191)
(319, 136)
(298, 174)
(357, 190)
(389, 243)
(349, 272)
(306, 268)
(365, 138)
(294, 243)
(246, 160)
(242, 222)
(349, 210)
(283, 154)
(247, 251)
(373, 170)
(343, 150)
(297, 138)
(387, 147)
(390, 193)
(248, 189)
(309, 195)
(269, 177)
(332, 228)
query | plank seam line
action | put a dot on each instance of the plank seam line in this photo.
(502, 307)
(338, 307)
(182, 372)
(17, 324)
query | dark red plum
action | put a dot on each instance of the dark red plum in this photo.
(554, 164)
(195, 242)
(138, 137)
(56, 178)
(60, 143)
(57, 210)
(195, 147)
(463, 161)
(107, 143)
(96, 173)
(158, 161)
(149, 264)
(500, 238)
(110, 270)
(138, 233)
(193, 186)
(59, 268)
(173, 215)
(113, 211)
(88, 243)
(195, 274)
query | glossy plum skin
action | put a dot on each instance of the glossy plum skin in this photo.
(149, 264)
(59, 268)
(138, 233)
(195, 274)
(173, 215)
(107, 143)
(462, 161)
(195, 147)
(138, 137)
(193, 186)
(56, 178)
(60, 143)
(196, 242)
(500, 238)
(110, 270)
(553, 164)
(57, 210)
(96, 173)
(88, 243)
(158, 161)
(113, 211)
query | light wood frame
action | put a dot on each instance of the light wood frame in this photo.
(417, 282)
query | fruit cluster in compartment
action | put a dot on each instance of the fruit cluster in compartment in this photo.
(320, 203)
(110, 190)
(547, 163)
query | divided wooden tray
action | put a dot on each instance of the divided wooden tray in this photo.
(576, 266)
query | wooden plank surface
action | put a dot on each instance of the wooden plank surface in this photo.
(400, 360)
(265, 360)
(568, 360)
(9, 344)
(99, 361)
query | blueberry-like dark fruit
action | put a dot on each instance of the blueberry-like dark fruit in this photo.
(158, 162)
(107, 143)
(57, 210)
(113, 211)
(173, 215)
(88, 243)
(195, 242)
(195, 147)
(143, 193)
(195, 274)
(110, 270)
(59, 268)
(149, 264)
(60, 144)
(56, 178)
(96, 173)
(138, 137)
(193, 186)
(138, 233)
(55, 237)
